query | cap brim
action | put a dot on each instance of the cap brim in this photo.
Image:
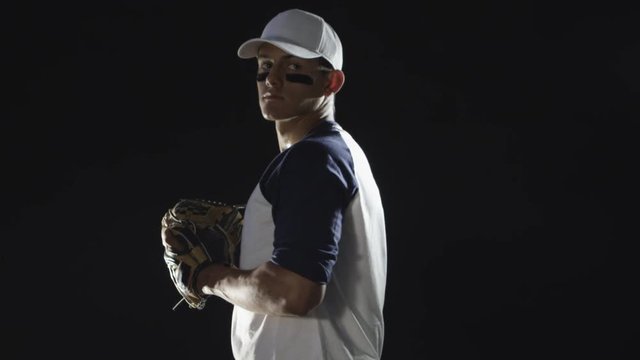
(249, 49)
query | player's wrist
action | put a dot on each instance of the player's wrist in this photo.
(209, 277)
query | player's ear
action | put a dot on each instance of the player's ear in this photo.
(336, 80)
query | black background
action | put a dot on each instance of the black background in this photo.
(500, 135)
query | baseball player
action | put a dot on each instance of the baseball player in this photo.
(310, 283)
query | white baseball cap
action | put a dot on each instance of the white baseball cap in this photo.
(299, 33)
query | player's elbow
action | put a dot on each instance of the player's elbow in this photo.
(290, 294)
(301, 303)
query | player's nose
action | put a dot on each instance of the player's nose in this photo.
(274, 78)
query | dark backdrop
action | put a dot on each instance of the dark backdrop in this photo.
(500, 135)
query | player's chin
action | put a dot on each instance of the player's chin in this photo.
(275, 114)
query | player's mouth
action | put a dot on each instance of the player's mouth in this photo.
(270, 97)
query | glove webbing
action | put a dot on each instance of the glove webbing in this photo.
(195, 257)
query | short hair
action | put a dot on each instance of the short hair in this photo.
(325, 63)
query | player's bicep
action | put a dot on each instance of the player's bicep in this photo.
(308, 214)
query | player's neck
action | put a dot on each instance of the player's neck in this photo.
(293, 130)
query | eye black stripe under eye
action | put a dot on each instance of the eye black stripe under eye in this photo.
(299, 78)
(295, 78)
(262, 76)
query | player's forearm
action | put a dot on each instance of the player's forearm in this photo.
(259, 290)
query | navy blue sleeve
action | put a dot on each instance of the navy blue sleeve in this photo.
(308, 193)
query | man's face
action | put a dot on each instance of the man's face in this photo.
(289, 86)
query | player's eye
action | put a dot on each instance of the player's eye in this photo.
(293, 67)
(266, 66)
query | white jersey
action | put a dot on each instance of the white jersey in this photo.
(317, 211)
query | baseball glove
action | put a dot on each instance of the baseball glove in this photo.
(204, 232)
